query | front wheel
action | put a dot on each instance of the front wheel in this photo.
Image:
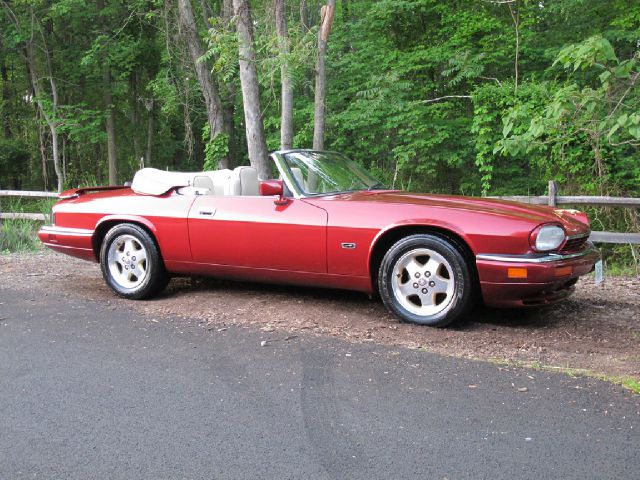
(425, 279)
(131, 263)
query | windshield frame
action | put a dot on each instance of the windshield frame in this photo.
(296, 190)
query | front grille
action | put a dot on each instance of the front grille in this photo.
(575, 244)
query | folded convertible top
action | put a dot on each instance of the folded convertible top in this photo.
(151, 181)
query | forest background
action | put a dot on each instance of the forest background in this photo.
(474, 97)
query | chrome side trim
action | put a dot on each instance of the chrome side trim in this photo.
(75, 232)
(545, 258)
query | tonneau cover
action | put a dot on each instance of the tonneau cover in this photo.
(151, 181)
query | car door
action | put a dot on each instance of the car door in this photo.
(255, 232)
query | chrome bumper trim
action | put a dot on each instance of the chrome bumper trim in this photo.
(543, 258)
(75, 232)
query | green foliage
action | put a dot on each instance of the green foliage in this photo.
(422, 92)
(222, 50)
(588, 126)
(216, 149)
(14, 157)
(19, 235)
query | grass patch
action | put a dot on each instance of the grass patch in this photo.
(20, 235)
(629, 383)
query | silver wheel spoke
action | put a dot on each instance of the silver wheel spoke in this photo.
(408, 289)
(427, 299)
(423, 282)
(413, 268)
(141, 256)
(441, 285)
(128, 246)
(137, 272)
(432, 267)
(127, 261)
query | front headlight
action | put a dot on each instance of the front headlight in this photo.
(547, 237)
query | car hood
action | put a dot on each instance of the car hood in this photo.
(575, 222)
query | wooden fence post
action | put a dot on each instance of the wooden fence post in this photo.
(553, 192)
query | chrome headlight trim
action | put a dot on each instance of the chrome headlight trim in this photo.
(547, 238)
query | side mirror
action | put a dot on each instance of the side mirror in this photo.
(269, 188)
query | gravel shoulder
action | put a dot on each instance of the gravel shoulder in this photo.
(596, 331)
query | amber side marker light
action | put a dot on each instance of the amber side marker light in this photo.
(517, 272)
(563, 271)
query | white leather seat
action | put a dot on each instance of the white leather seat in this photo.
(220, 179)
(203, 181)
(243, 181)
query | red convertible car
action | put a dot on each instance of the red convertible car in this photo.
(326, 223)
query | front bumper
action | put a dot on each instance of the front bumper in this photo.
(545, 278)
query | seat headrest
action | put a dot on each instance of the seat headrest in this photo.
(244, 181)
(203, 181)
(220, 179)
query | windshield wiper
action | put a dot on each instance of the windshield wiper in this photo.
(376, 186)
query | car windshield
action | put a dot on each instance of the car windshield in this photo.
(319, 173)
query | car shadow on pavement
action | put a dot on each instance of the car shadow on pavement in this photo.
(533, 317)
(355, 303)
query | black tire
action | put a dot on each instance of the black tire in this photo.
(435, 298)
(123, 267)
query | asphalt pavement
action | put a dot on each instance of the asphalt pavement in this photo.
(89, 391)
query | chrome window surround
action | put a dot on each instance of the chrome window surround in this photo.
(287, 176)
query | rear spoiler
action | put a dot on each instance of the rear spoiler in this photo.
(76, 192)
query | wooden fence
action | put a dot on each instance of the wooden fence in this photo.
(26, 193)
(552, 199)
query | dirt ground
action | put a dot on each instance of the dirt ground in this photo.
(597, 329)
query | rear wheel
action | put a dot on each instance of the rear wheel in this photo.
(131, 263)
(424, 279)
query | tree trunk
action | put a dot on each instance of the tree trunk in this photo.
(64, 157)
(229, 105)
(150, 133)
(227, 12)
(515, 16)
(43, 152)
(286, 116)
(304, 16)
(6, 124)
(111, 127)
(256, 142)
(203, 72)
(49, 117)
(135, 117)
(326, 15)
(206, 13)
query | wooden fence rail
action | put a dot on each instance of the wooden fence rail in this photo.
(30, 194)
(625, 202)
(552, 199)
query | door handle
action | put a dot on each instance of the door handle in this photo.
(207, 212)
